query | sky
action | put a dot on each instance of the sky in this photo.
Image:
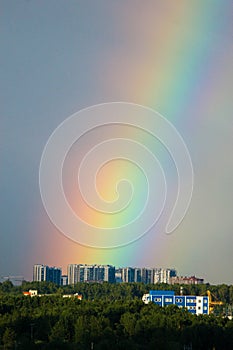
(59, 57)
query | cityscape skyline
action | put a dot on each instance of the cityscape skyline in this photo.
(152, 275)
(105, 273)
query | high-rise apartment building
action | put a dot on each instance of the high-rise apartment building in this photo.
(145, 275)
(54, 275)
(73, 273)
(90, 273)
(137, 275)
(164, 275)
(128, 274)
(45, 273)
(109, 274)
(40, 272)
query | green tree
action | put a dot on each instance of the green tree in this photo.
(81, 332)
(9, 338)
(6, 287)
(128, 321)
(58, 333)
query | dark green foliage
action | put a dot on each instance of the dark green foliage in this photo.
(8, 338)
(109, 317)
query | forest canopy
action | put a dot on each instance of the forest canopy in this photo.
(109, 316)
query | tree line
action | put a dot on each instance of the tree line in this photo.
(109, 316)
(125, 291)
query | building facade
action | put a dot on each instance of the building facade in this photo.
(39, 272)
(145, 275)
(73, 273)
(198, 305)
(164, 275)
(90, 273)
(45, 273)
(128, 274)
(64, 280)
(186, 280)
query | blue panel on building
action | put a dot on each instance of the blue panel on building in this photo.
(206, 305)
(168, 299)
(157, 299)
(190, 301)
(180, 300)
(161, 292)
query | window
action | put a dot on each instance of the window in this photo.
(192, 301)
(168, 300)
(192, 307)
(199, 300)
(205, 301)
(199, 308)
(205, 308)
(178, 300)
(158, 300)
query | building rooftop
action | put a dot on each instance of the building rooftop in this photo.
(162, 292)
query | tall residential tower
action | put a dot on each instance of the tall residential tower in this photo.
(45, 273)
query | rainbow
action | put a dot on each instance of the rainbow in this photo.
(179, 73)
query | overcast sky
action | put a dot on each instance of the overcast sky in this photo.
(58, 57)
